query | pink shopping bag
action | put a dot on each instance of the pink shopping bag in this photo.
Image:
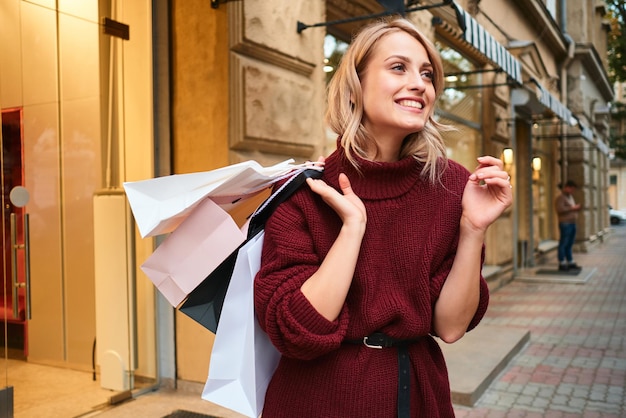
(187, 256)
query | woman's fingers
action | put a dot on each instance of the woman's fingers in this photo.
(347, 204)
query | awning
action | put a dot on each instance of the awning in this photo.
(478, 37)
(554, 104)
(603, 148)
(586, 132)
(542, 99)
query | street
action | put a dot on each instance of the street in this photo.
(575, 362)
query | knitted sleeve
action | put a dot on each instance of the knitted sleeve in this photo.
(456, 180)
(289, 258)
(440, 278)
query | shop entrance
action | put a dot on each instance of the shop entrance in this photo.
(13, 302)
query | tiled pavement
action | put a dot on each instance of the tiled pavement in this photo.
(573, 366)
(575, 362)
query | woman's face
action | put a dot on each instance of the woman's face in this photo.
(398, 90)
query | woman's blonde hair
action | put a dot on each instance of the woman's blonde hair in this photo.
(344, 113)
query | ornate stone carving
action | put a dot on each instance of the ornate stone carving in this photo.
(270, 34)
(276, 83)
(275, 111)
(502, 130)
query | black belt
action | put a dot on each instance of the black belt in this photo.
(380, 340)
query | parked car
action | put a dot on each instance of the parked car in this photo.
(617, 216)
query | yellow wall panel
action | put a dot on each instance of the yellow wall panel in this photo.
(78, 41)
(10, 51)
(200, 86)
(81, 176)
(41, 136)
(50, 4)
(39, 54)
(87, 10)
(200, 133)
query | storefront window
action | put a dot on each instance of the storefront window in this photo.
(543, 181)
(460, 106)
(334, 49)
(461, 96)
(462, 144)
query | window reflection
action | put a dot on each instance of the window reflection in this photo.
(460, 106)
(461, 96)
(334, 50)
(462, 144)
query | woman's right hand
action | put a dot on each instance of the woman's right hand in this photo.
(347, 204)
(328, 287)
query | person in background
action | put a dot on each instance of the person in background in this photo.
(567, 212)
(362, 269)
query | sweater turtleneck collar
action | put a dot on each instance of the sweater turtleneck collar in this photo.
(376, 180)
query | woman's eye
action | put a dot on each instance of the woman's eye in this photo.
(398, 67)
(429, 75)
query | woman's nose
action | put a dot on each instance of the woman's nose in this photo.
(417, 83)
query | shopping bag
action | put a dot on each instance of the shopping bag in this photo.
(160, 204)
(204, 303)
(207, 237)
(243, 359)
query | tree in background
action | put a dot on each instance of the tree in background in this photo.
(617, 72)
(617, 39)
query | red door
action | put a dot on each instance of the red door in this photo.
(13, 311)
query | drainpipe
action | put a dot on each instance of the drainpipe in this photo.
(571, 46)
(530, 255)
(519, 97)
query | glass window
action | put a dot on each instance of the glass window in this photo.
(461, 96)
(462, 144)
(460, 105)
(334, 49)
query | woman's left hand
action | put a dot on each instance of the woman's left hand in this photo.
(487, 193)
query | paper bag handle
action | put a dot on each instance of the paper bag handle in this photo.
(265, 210)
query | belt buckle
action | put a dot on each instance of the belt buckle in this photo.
(368, 345)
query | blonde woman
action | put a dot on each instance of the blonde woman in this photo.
(361, 269)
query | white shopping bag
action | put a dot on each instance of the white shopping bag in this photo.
(243, 358)
(159, 205)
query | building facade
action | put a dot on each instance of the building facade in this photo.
(172, 87)
(617, 173)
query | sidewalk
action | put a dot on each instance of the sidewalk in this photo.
(574, 364)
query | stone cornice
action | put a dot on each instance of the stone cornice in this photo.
(588, 56)
(545, 24)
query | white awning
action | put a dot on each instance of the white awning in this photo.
(479, 38)
(554, 104)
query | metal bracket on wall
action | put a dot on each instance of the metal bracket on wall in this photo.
(115, 28)
(216, 3)
(391, 7)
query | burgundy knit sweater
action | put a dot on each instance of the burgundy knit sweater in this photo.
(406, 254)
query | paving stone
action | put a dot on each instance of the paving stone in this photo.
(574, 364)
(475, 361)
